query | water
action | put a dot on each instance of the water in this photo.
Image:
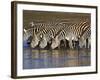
(35, 59)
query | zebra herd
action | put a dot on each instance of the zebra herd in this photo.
(42, 34)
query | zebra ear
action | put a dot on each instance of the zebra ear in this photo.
(25, 30)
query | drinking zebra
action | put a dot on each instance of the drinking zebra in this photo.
(33, 27)
(85, 40)
(46, 35)
(71, 32)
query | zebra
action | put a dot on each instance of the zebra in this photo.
(85, 40)
(45, 35)
(28, 33)
(33, 29)
(63, 34)
(71, 32)
(37, 36)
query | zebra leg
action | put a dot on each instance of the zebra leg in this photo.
(89, 43)
(65, 44)
(74, 44)
(86, 44)
(80, 44)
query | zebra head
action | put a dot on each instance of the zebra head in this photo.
(55, 42)
(37, 37)
(43, 42)
(34, 42)
(27, 33)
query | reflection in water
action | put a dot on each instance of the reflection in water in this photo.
(33, 59)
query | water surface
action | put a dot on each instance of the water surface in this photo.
(33, 58)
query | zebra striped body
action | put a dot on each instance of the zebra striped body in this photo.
(35, 30)
(48, 34)
(32, 31)
(63, 34)
(37, 35)
(71, 32)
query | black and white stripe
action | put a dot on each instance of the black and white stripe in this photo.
(70, 32)
(85, 40)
